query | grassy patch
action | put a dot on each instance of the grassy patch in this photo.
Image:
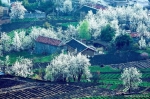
(110, 76)
(69, 23)
(43, 59)
(14, 55)
(138, 96)
(111, 81)
(113, 87)
(26, 54)
(145, 84)
(147, 50)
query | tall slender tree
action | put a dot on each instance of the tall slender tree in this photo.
(17, 44)
(84, 30)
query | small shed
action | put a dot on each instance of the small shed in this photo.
(4, 11)
(75, 45)
(86, 9)
(102, 44)
(45, 45)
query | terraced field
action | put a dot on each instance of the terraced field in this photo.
(108, 85)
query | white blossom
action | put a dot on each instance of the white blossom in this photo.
(67, 66)
(142, 43)
(5, 42)
(67, 6)
(71, 32)
(142, 29)
(118, 17)
(17, 10)
(131, 78)
(43, 32)
(22, 67)
(17, 44)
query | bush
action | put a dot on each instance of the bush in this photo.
(107, 33)
(46, 25)
(123, 41)
(135, 46)
(144, 55)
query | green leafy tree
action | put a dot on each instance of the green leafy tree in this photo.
(25, 2)
(107, 33)
(123, 41)
(30, 6)
(84, 30)
(46, 6)
(131, 78)
(42, 5)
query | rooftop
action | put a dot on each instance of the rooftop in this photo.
(49, 41)
(78, 45)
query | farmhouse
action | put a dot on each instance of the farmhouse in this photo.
(4, 11)
(82, 11)
(75, 45)
(45, 45)
(93, 8)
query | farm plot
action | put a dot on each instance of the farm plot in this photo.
(5, 83)
(143, 64)
(109, 79)
(43, 91)
(110, 76)
(20, 89)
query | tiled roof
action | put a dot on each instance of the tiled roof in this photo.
(97, 6)
(134, 34)
(49, 41)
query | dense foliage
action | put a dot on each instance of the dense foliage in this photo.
(107, 33)
(84, 30)
(123, 41)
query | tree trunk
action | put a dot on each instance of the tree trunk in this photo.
(4, 69)
(79, 77)
(129, 90)
(65, 80)
(130, 86)
(74, 78)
